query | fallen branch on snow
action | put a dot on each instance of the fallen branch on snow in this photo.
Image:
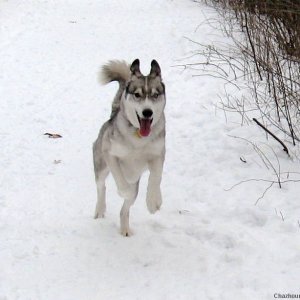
(273, 135)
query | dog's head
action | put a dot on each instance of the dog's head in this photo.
(144, 99)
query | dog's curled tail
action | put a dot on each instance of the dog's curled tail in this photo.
(115, 70)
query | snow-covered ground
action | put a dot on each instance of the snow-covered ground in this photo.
(206, 242)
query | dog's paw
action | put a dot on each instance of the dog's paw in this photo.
(154, 201)
(126, 232)
(99, 215)
(100, 210)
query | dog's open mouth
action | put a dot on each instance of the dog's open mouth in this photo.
(145, 125)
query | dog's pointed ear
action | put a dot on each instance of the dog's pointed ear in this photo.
(155, 68)
(135, 67)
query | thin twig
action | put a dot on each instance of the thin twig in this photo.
(252, 46)
(281, 216)
(259, 180)
(264, 193)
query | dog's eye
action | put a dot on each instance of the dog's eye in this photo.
(137, 95)
(155, 95)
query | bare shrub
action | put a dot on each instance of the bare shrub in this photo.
(266, 53)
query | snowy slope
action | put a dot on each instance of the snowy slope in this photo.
(205, 243)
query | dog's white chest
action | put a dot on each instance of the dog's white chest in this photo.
(120, 150)
(137, 148)
(132, 167)
(134, 160)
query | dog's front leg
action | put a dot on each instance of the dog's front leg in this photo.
(124, 213)
(153, 198)
(125, 190)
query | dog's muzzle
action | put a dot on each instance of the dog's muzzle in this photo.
(145, 122)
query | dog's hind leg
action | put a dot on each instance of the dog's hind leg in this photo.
(124, 213)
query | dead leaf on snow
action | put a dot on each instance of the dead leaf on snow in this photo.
(53, 135)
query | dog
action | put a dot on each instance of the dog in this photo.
(133, 139)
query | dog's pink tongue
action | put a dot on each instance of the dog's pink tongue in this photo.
(145, 127)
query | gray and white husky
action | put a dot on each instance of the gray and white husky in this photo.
(133, 139)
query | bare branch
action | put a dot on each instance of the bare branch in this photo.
(273, 135)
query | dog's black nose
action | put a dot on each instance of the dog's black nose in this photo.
(147, 113)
